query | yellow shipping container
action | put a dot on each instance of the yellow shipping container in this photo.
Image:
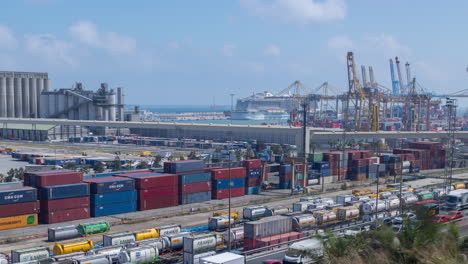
(149, 233)
(18, 221)
(81, 246)
(459, 185)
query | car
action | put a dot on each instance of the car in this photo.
(452, 215)
(440, 219)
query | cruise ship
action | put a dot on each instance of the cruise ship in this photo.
(264, 106)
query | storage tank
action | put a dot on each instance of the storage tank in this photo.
(93, 228)
(317, 206)
(459, 185)
(118, 239)
(236, 235)
(29, 254)
(280, 210)
(426, 195)
(147, 234)
(68, 256)
(167, 230)
(370, 207)
(328, 201)
(408, 200)
(96, 259)
(348, 213)
(62, 248)
(4, 259)
(254, 212)
(392, 203)
(309, 199)
(200, 243)
(111, 251)
(176, 242)
(325, 217)
(218, 223)
(138, 255)
(62, 233)
(303, 222)
(159, 243)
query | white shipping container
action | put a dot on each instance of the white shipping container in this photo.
(347, 213)
(118, 239)
(236, 235)
(29, 254)
(223, 258)
(301, 206)
(168, 230)
(138, 255)
(254, 212)
(370, 207)
(176, 242)
(200, 243)
(196, 259)
(303, 222)
(342, 199)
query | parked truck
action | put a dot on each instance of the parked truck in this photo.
(294, 253)
(457, 200)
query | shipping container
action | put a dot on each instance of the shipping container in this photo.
(63, 204)
(29, 254)
(116, 197)
(176, 241)
(197, 258)
(7, 210)
(118, 239)
(187, 178)
(195, 187)
(224, 193)
(253, 190)
(144, 254)
(177, 167)
(64, 215)
(189, 198)
(111, 184)
(225, 184)
(226, 173)
(64, 191)
(147, 234)
(113, 208)
(153, 180)
(50, 178)
(253, 163)
(158, 192)
(199, 243)
(267, 226)
(9, 185)
(18, 221)
(18, 195)
(159, 202)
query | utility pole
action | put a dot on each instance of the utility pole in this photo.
(451, 104)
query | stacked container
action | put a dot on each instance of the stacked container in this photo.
(270, 230)
(253, 181)
(199, 246)
(64, 197)
(18, 207)
(194, 187)
(176, 167)
(156, 190)
(112, 195)
(220, 182)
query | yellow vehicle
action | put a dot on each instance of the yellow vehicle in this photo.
(84, 153)
(234, 213)
(387, 189)
(374, 195)
(60, 249)
(145, 153)
(361, 192)
(459, 185)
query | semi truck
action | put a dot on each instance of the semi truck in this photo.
(457, 200)
(294, 254)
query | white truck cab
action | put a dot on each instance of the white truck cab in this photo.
(295, 253)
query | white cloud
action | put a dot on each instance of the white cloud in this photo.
(229, 49)
(272, 50)
(389, 45)
(7, 38)
(50, 48)
(87, 33)
(297, 11)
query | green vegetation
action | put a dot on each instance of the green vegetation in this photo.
(192, 155)
(117, 164)
(13, 174)
(99, 167)
(70, 166)
(85, 169)
(143, 165)
(417, 243)
(157, 161)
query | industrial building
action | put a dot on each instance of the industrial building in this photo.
(80, 104)
(20, 93)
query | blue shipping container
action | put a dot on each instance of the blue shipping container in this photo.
(115, 197)
(224, 184)
(285, 169)
(252, 190)
(254, 173)
(194, 177)
(112, 185)
(64, 191)
(18, 195)
(321, 165)
(285, 185)
(114, 208)
(189, 198)
(362, 169)
(184, 166)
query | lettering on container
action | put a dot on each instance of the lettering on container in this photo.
(13, 197)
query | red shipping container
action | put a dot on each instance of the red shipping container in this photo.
(223, 174)
(253, 163)
(254, 181)
(161, 202)
(353, 154)
(7, 210)
(358, 176)
(63, 204)
(64, 215)
(43, 180)
(195, 187)
(366, 154)
(249, 244)
(224, 193)
(154, 181)
(360, 163)
(158, 192)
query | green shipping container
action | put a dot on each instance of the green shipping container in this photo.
(299, 176)
(94, 228)
(315, 157)
(425, 196)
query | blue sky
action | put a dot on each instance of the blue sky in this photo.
(191, 52)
